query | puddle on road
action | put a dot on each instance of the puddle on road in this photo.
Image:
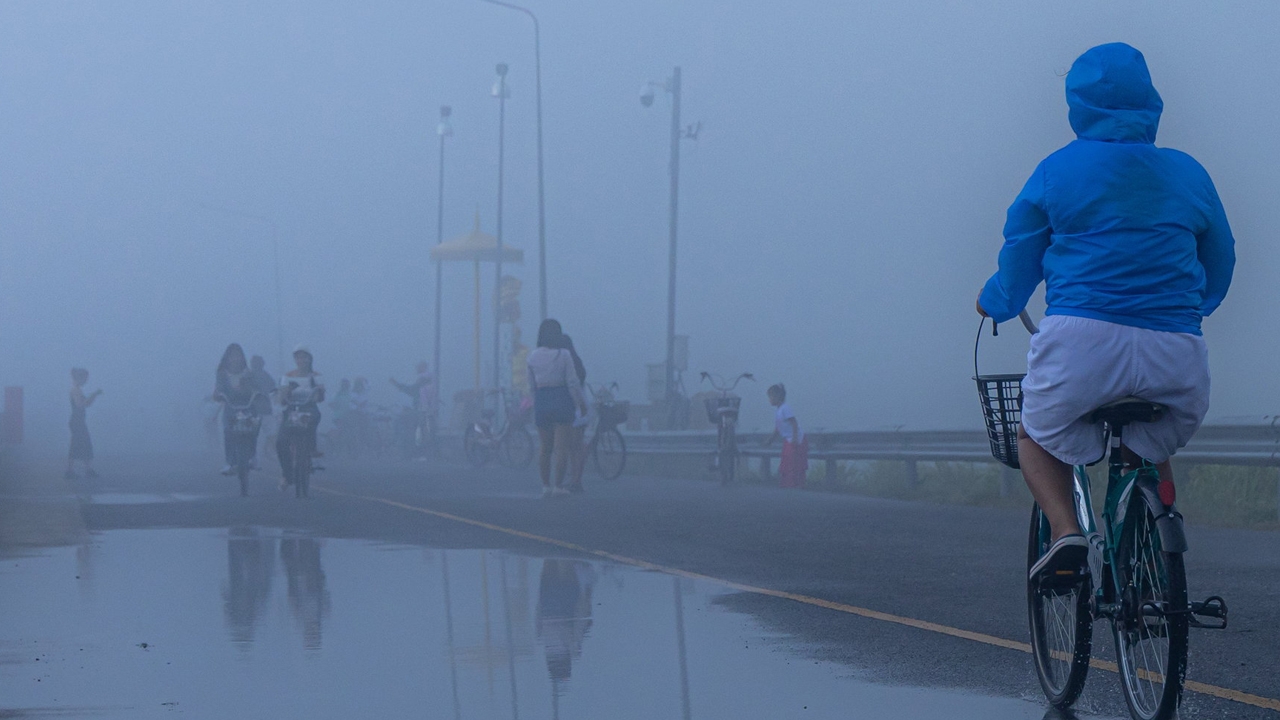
(267, 623)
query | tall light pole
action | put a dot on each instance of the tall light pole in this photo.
(444, 130)
(501, 92)
(672, 87)
(542, 211)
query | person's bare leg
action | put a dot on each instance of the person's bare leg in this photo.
(563, 436)
(546, 439)
(1050, 482)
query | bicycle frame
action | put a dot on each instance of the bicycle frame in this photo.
(1104, 537)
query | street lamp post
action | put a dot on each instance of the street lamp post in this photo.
(499, 91)
(542, 212)
(672, 87)
(444, 129)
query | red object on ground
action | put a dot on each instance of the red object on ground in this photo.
(11, 419)
(794, 464)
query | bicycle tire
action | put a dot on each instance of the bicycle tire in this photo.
(1061, 626)
(1151, 648)
(609, 453)
(728, 460)
(515, 449)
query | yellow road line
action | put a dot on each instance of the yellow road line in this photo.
(1202, 688)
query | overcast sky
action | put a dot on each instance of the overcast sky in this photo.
(840, 208)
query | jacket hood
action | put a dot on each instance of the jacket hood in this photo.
(1110, 96)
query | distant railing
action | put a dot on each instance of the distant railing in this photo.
(1256, 445)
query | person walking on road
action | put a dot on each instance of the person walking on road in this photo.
(578, 432)
(794, 465)
(557, 392)
(81, 445)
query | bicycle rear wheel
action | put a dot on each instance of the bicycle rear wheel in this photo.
(515, 449)
(609, 453)
(1151, 623)
(1061, 625)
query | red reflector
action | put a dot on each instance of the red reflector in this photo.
(1167, 492)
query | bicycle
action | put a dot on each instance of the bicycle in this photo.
(607, 447)
(511, 443)
(722, 411)
(1135, 574)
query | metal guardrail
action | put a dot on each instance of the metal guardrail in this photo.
(1254, 445)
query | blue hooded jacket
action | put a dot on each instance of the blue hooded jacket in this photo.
(1118, 229)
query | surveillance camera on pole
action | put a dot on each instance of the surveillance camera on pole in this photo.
(647, 95)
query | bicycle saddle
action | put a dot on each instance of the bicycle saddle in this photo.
(1128, 410)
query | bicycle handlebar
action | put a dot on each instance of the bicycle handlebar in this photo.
(720, 385)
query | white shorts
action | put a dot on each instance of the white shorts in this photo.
(1077, 365)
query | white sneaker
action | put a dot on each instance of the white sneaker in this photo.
(560, 492)
(546, 491)
(227, 470)
(1065, 562)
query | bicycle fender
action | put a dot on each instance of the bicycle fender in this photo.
(1173, 535)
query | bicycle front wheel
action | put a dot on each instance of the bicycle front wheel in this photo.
(609, 453)
(1061, 625)
(1151, 621)
(728, 460)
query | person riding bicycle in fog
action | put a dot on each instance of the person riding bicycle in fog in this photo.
(1134, 249)
(301, 386)
(235, 386)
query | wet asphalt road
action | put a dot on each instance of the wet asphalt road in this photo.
(748, 654)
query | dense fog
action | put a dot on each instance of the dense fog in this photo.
(840, 207)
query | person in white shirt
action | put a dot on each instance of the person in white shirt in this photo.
(794, 464)
(557, 393)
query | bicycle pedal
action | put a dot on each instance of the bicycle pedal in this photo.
(1213, 608)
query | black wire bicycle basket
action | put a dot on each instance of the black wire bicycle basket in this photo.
(1001, 397)
(614, 413)
(718, 404)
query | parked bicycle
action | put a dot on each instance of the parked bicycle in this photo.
(722, 411)
(607, 448)
(1134, 577)
(506, 439)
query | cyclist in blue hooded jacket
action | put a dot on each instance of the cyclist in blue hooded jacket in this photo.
(1134, 249)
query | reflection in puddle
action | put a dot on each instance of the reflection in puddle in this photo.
(263, 623)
